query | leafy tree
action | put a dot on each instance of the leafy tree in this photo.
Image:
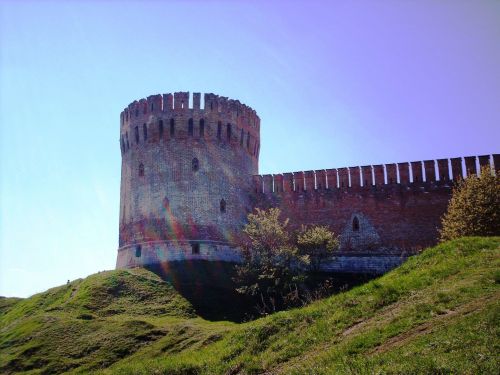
(474, 208)
(273, 270)
(317, 242)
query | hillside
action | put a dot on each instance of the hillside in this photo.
(437, 313)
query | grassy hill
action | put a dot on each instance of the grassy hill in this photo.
(437, 313)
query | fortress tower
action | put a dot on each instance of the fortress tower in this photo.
(185, 178)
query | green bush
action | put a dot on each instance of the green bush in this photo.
(474, 209)
(317, 242)
(273, 270)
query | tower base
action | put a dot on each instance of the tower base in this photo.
(156, 252)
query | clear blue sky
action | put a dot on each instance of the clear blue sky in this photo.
(336, 83)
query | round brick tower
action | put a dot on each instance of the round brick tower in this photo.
(185, 179)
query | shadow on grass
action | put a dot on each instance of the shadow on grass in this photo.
(208, 286)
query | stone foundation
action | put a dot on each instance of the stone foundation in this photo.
(158, 252)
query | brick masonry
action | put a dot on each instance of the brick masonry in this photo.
(189, 179)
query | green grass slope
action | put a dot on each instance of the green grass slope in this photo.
(88, 323)
(437, 313)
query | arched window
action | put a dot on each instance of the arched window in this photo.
(355, 224)
(138, 251)
(145, 131)
(202, 128)
(137, 134)
(219, 130)
(160, 128)
(195, 164)
(172, 127)
(141, 170)
(190, 127)
(228, 131)
(222, 205)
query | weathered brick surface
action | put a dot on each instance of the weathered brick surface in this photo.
(392, 218)
(189, 179)
(177, 199)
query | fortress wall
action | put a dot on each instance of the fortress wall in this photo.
(392, 216)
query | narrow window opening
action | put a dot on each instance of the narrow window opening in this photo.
(122, 144)
(137, 134)
(222, 205)
(355, 224)
(136, 112)
(172, 127)
(152, 107)
(195, 248)
(228, 131)
(138, 251)
(219, 130)
(160, 128)
(182, 104)
(145, 131)
(211, 106)
(141, 170)
(195, 164)
(241, 137)
(166, 203)
(126, 137)
(202, 128)
(248, 140)
(190, 127)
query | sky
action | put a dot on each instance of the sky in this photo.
(335, 83)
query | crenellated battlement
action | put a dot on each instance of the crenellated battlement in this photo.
(182, 103)
(404, 174)
(180, 116)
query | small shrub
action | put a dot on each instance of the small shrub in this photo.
(474, 209)
(318, 243)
